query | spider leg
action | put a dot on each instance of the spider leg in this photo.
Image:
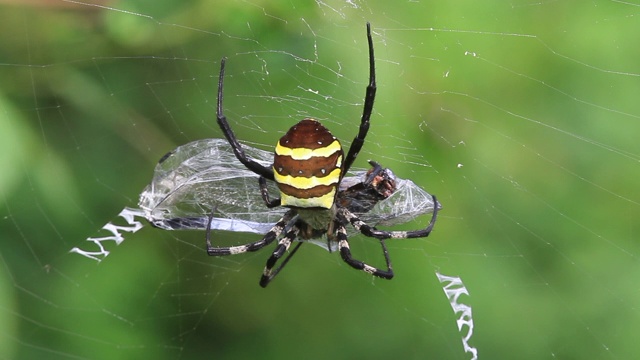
(283, 246)
(231, 137)
(268, 238)
(376, 169)
(265, 194)
(370, 96)
(370, 231)
(345, 252)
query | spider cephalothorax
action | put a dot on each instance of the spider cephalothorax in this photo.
(309, 165)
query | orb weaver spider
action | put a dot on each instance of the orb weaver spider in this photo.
(308, 167)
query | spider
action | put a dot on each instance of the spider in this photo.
(308, 167)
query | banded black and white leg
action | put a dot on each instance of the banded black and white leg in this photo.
(268, 238)
(367, 230)
(370, 231)
(345, 253)
(283, 246)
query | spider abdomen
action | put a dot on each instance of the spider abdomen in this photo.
(307, 166)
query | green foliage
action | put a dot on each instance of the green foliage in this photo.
(522, 119)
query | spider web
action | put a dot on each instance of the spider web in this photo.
(522, 118)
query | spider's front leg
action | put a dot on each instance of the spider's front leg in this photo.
(231, 137)
(345, 252)
(265, 194)
(370, 96)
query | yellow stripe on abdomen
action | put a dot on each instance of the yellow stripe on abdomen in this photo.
(307, 166)
(324, 201)
(300, 182)
(302, 153)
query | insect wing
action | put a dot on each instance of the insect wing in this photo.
(202, 178)
(401, 201)
(406, 203)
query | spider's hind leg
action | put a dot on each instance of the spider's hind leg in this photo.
(371, 231)
(268, 238)
(345, 252)
(283, 246)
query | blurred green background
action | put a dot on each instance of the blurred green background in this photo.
(522, 117)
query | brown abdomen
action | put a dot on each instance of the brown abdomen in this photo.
(307, 166)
